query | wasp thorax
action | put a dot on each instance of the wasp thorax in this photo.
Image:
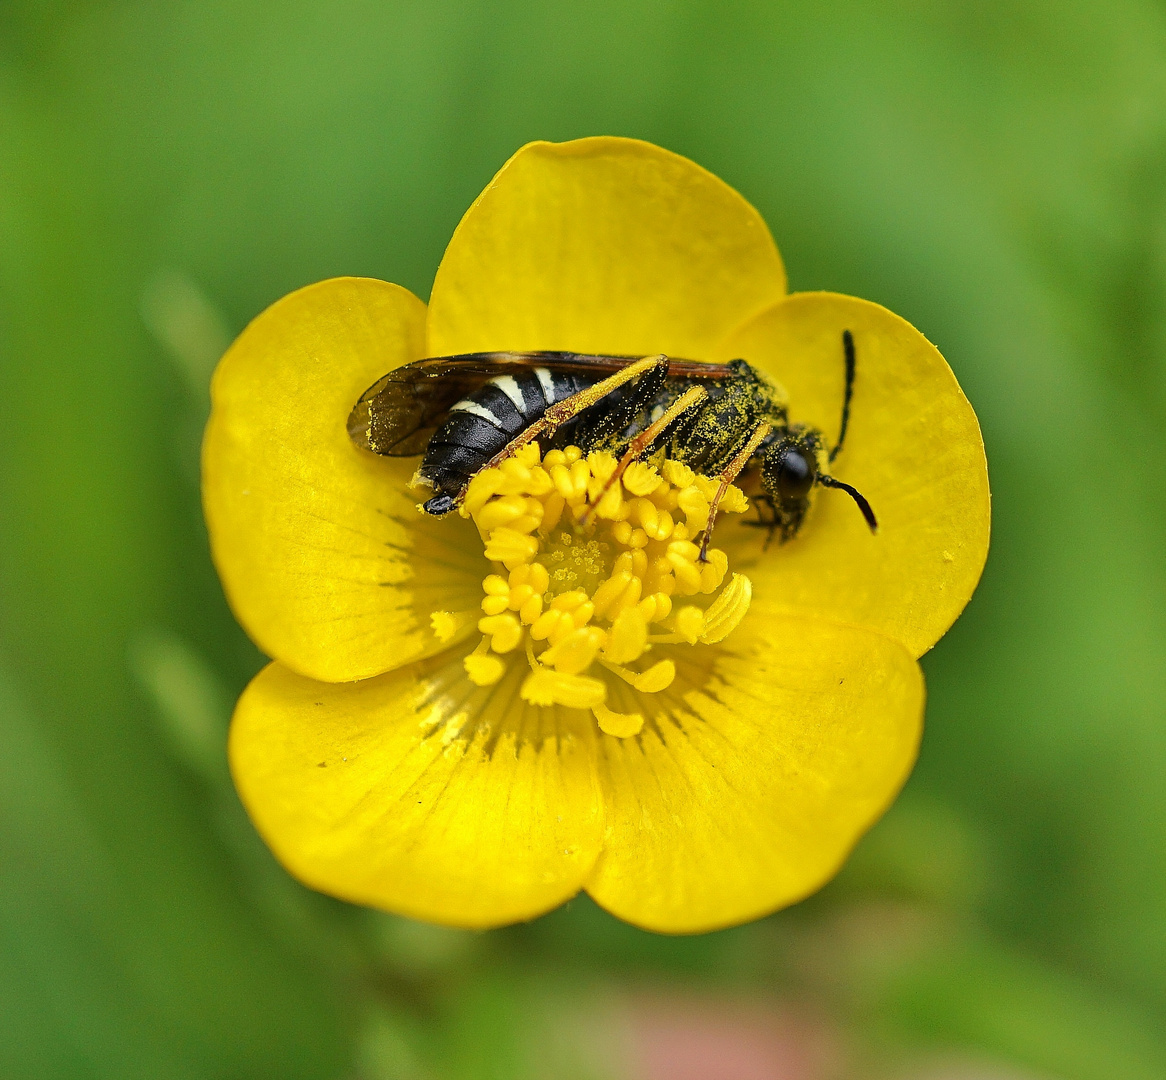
(594, 572)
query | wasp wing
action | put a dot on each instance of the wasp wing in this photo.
(399, 413)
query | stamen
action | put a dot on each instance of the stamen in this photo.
(483, 669)
(621, 725)
(628, 637)
(505, 632)
(725, 613)
(658, 677)
(448, 625)
(547, 687)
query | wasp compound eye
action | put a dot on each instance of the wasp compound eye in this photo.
(795, 475)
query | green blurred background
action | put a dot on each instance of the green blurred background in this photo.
(995, 171)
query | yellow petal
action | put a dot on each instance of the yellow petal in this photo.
(913, 449)
(757, 773)
(322, 553)
(605, 245)
(419, 793)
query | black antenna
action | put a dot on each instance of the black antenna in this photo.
(863, 505)
(848, 352)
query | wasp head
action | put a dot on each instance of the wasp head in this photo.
(789, 470)
(790, 467)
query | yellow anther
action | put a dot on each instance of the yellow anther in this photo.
(683, 549)
(502, 511)
(510, 548)
(661, 567)
(664, 526)
(611, 590)
(531, 517)
(645, 514)
(602, 465)
(695, 507)
(546, 623)
(707, 486)
(448, 625)
(495, 605)
(519, 595)
(569, 601)
(571, 480)
(612, 506)
(665, 498)
(515, 475)
(725, 613)
(496, 585)
(546, 687)
(735, 501)
(505, 632)
(554, 457)
(580, 475)
(658, 677)
(640, 478)
(553, 512)
(687, 575)
(561, 478)
(677, 474)
(620, 725)
(533, 574)
(628, 637)
(527, 455)
(531, 610)
(540, 482)
(483, 670)
(568, 612)
(576, 651)
(634, 562)
(655, 607)
(482, 487)
(689, 624)
(629, 598)
(712, 573)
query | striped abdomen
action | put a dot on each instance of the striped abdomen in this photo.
(482, 424)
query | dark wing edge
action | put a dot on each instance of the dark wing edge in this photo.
(398, 414)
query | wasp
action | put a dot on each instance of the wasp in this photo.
(466, 413)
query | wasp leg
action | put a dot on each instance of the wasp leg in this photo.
(726, 478)
(567, 409)
(644, 439)
(771, 524)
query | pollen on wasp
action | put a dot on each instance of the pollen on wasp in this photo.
(584, 590)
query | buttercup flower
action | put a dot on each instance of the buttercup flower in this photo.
(469, 719)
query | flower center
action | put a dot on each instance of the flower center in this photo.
(592, 574)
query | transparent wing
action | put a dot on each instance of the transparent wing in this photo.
(399, 413)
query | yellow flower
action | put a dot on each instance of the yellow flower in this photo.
(472, 740)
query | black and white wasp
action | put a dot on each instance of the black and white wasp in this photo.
(466, 413)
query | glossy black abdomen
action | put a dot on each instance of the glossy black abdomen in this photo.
(481, 425)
